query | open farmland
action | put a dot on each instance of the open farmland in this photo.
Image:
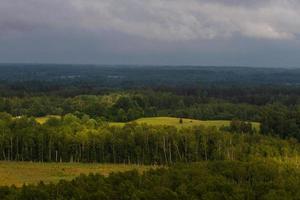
(167, 121)
(42, 120)
(19, 173)
(173, 121)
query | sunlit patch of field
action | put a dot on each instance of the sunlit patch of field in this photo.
(120, 124)
(167, 121)
(19, 173)
(173, 121)
(42, 120)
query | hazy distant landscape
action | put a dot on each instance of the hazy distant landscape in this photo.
(122, 76)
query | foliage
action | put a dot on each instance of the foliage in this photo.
(74, 139)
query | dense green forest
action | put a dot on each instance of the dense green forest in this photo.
(88, 140)
(232, 162)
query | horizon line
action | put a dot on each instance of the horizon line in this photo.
(146, 65)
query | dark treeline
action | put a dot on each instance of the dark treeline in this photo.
(281, 120)
(73, 139)
(127, 106)
(160, 100)
(251, 94)
(227, 180)
(133, 76)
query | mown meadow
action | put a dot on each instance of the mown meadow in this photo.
(165, 121)
(19, 173)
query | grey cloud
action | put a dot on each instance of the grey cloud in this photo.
(29, 15)
(157, 19)
(192, 19)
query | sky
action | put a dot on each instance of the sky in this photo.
(262, 33)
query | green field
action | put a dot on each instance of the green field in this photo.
(42, 120)
(19, 173)
(173, 121)
(166, 121)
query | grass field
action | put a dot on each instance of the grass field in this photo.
(42, 120)
(173, 121)
(19, 173)
(167, 121)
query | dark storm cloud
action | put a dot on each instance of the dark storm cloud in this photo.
(29, 15)
(146, 31)
(158, 19)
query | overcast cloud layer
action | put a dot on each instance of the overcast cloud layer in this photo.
(149, 27)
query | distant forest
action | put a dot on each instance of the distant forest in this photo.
(93, 78)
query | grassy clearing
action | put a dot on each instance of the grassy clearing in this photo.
(42, 120)
(19, 173)
(173, 121)
(167, 121)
